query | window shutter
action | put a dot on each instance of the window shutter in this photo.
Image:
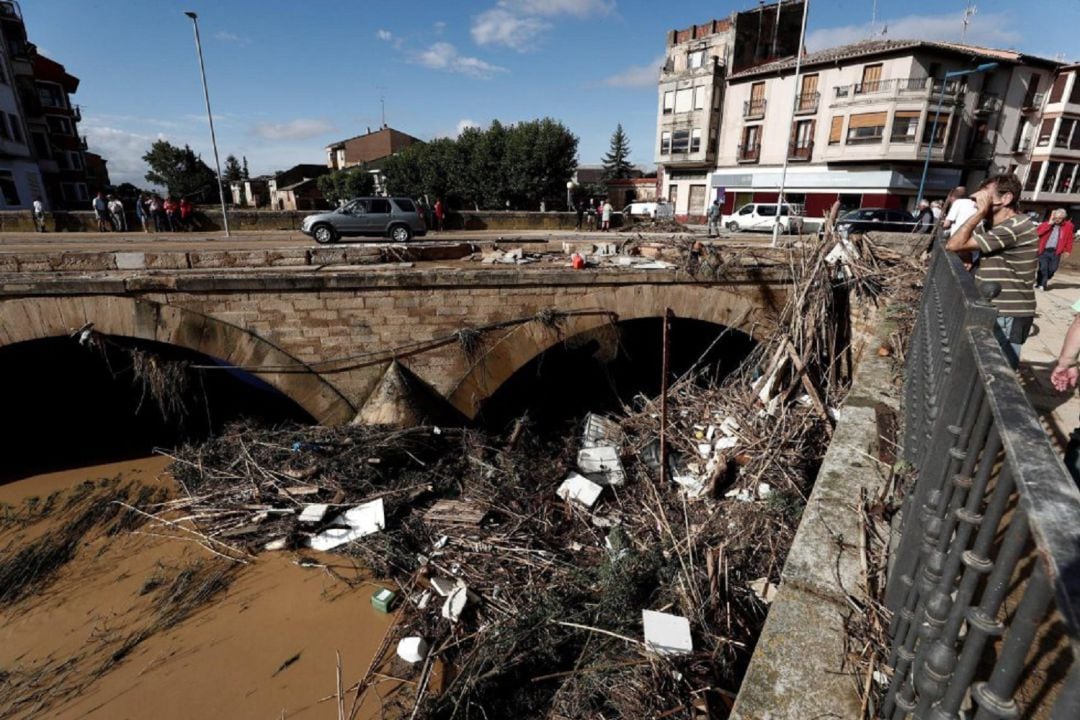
(908, 113)
(861, 120)
(836, 129)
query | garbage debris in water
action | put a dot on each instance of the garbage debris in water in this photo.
(667, 634)
(412, 649)
(358, 522)
(580, 489)
(602, 465)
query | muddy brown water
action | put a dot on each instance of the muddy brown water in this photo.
(265, 648)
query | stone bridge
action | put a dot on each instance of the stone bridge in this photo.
(331, 336)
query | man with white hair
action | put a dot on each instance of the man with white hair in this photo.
(1055, 242)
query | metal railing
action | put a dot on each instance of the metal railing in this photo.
(754, 108)
(806, 103)
(899, 86)
(989, 488)
(800, 152)
(749, 153)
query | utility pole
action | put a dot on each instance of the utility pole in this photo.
(210, 117)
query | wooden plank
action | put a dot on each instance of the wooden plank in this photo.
(463, 512)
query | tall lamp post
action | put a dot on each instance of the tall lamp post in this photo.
(794, 103)
(210, 117)
(985, 67)
(570, 195)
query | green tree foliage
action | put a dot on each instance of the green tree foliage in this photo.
(616, 164)
(244, 174)
(233, 171)
(342, 185)
(181, 171)
(523, 164)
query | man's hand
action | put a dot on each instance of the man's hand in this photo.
(1064, 376)
(984, 201)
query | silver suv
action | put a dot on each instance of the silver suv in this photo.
(396, 218)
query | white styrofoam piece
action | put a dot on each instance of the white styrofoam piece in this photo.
(443, 586)
(313, 513)
(580, 489)
(601, 464)
(359, 521)
(727, 442)
(667, 634)
(412, 649)
(455, 602)
(693, 484)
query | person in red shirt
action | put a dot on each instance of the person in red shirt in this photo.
(1055, 242)
(440, 213)
(186, 217)
(171, 220)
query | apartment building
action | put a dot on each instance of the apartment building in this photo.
(864, 122)
(691, 93)
(20, 177)
(1047, 143)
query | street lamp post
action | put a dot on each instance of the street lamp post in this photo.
(985, 67)
(210, 117)
(794, 103)
(569, 194)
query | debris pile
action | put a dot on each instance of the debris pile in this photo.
(623, 571)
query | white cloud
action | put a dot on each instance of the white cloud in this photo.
(384, 35)
(464, 124)
(439, 27)
(518, 23)
(233, 38)
(990, 29)
(299, 129)
(122, 149)
(444, 56)
(638, 76)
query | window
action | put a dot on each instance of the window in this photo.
(684, 100)
(1074, 95)
(1051, 176)
(51, 95)
(836, 129)
(1064, 180)
(680, 141)
(76, 161)
(871, 79)
(3, 77)
(1064, 133)
(4, 131)
(938, 131)
(1057, 92)
(16, 128)
(1033, 176)
(74, 192)
(7, 187)
(379, 206)
(756, 106)
(699, 97)
(803, 134)
(405, 205)
(864, 128)
(41, 145)
(669, 102)
(665, 143)
(1046, 130)
(1032, 90)
(746, 210)
(59, 125)
(673, 194)
(751, 143)
(696, 59)
(904, 126)
(695, 140)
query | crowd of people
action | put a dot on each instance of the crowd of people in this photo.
(154, 213)
(596, 213)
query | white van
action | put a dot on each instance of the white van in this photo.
(762, 217)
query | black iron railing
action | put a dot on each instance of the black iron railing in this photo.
(754, 108)
(992, 515)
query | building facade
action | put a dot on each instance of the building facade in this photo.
(1047, 143)
(21, 181)
(865, 117)
(296, 188)
(690, 96)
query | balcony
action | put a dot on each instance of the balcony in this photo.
(76, 112)
(897, 88)
(800, 153)
(981, 151)
(83, 144)
(1033, 102)
(754, 109)
(807, 103)
(1022, 147)
(989, 103)
(749, 153)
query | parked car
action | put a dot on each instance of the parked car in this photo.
(880, 219)
(762, 216)
(394, 217)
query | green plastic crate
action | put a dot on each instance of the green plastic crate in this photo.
(383, 599)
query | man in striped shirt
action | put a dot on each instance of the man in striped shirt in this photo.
(1008, 245)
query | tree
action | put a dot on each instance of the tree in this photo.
(346, 184)
(181, 171)
(244, 173)
(616, 165)
(233, 172)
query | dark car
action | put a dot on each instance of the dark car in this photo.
(394, 217)
(879, 219)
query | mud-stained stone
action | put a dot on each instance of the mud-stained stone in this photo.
(404, 400)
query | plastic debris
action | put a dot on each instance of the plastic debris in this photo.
(602, 465)
(667, 634)
(412, 649)
(601, 432)
(359, 521)
(312, 514)
(693, 484)
(278, 544)
(456, 602)
(580, 489)
(726, 442)
(764, 490)
(443, 586)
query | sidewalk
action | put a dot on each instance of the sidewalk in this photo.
(1059, 411)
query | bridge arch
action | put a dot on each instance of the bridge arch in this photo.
(749, 308)
(36, 318)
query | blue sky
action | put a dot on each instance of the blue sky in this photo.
(286, 78)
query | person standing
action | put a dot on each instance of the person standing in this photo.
(140, 212)
(714, 219)
(1055, 243)
(39, 215)
(157, 212)
(960, 209)
(187, 215)
(440, 213)
(606, 214)
(935, 209)
(579, 208)
(171, 221)
(101, 211)
(924, 218)
(116, 212)
(1008, 250)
